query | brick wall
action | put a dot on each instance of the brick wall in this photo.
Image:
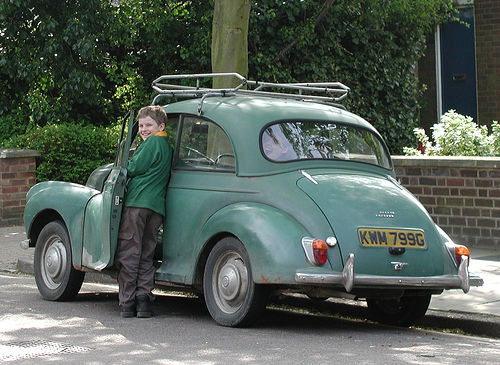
(462, 194)
(487, 19)
(17, 175)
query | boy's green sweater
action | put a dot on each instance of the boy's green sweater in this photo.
(149, 170)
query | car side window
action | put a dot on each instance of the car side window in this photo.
(204, 145)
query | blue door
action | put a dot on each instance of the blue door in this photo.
(458, 65)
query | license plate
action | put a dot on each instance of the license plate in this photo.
(383, 237)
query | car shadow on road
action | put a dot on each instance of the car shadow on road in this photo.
(290, 313)
(278, 315)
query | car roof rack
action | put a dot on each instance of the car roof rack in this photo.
(332, 92)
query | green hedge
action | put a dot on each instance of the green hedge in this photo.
(372, 46)
(104, 57)
(91, 62)
(68, 152)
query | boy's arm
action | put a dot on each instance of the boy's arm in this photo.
(141, 161)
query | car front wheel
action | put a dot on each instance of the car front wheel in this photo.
(231, 296)
(404, 311)
(55, 276)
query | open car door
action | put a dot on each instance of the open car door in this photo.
(103, 211)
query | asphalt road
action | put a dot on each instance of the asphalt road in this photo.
(90, 331)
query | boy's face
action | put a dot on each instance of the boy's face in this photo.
(148, 127)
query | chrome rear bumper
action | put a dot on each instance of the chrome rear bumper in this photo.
(349, 280)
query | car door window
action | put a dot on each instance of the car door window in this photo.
(204, 145)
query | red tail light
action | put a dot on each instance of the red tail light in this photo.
(320, 251)
(461, 251)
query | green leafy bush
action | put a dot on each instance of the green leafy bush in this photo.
(12, 124)
(92, 61)
(457, 135)
(370, 45)
(69, 152)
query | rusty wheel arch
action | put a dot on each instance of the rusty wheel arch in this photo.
(41, 220)
(202, 258)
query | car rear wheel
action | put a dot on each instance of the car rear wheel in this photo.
(404, 311)
(231, 296)
(55, 276)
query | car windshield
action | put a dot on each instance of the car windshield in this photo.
(305, 140)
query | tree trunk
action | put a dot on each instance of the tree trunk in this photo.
(230, 40)
(229, 54)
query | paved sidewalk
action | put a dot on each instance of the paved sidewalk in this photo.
(10, 249)
(13, 258)
(484, 300)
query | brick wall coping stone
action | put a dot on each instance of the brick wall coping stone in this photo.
(447, 161)
(18, 153)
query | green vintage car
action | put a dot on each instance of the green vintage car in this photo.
(274, 188)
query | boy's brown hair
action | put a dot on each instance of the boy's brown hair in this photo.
(154, 111)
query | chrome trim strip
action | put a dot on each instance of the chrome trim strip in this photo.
(366, 280)
(399, 266)
(307, 246)
(308, 177)
(348, 273)
(349, 280)
(463, 273)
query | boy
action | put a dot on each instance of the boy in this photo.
(143, 211)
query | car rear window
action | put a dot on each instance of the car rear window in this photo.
(305, 140)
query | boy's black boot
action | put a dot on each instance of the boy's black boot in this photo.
(127, 311)
(143, 306)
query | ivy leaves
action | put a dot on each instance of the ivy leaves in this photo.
(90, 61)
(370, 45)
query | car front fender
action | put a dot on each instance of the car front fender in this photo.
(52, 200)
(271, 237)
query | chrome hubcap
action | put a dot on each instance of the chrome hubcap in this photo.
(54, 263)
(230, 282)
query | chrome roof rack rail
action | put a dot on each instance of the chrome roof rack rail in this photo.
(320, 91)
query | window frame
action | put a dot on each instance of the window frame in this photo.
(176, 159)
(319, 121)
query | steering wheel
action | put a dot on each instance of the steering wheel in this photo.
(201, 154)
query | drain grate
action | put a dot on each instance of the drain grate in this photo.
(30, 349)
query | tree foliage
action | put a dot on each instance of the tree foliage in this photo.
(91, 61)
(370, 45)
